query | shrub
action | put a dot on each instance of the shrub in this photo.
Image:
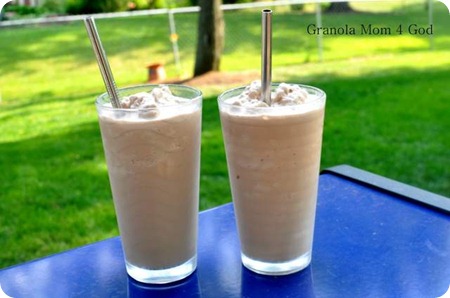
(158, 4)
(140, 4)
(21, 10)
(86, 6)
(75, 6)
(53, 6)
(297, 7)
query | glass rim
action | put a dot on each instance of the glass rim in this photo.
(321, 96)
(104, 97)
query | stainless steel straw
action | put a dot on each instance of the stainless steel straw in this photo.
(266, 55)
(103, 63)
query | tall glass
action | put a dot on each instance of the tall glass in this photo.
(273, 157)
(153, 158)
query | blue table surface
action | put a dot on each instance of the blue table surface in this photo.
(367, 243)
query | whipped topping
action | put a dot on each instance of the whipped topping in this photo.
(158, 97)
(157, 104)
(283, 95)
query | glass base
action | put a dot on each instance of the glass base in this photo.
(283, 268)
(162, 276)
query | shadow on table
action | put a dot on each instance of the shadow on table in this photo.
(295, 285)
(186, 288)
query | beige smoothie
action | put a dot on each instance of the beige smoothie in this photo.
(152, 148)
(273, 156)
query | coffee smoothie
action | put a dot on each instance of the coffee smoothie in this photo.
(152, 148)
(273, 155)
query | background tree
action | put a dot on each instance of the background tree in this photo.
(210, 37)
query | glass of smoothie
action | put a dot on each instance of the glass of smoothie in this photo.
(273, 155)
(152, 149)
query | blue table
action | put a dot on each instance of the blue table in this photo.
(374, 237)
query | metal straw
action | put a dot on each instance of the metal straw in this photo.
(266, 55)
(103, 63)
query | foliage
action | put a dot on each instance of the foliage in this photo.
(138, 4)
(339, 7)
(53, 6)
(88, 6)
(22, 10)
(158, 3)
(297, 7)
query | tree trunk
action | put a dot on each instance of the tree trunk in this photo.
(210, 37)
(339, 7)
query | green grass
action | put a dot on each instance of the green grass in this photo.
(387, 112)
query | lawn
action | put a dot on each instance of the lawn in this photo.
(387, 111)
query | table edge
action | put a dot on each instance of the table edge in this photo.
(391, 186)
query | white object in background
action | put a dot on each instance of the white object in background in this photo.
(446, 3)
(446, 294)
(3, 294)
(2, 3)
